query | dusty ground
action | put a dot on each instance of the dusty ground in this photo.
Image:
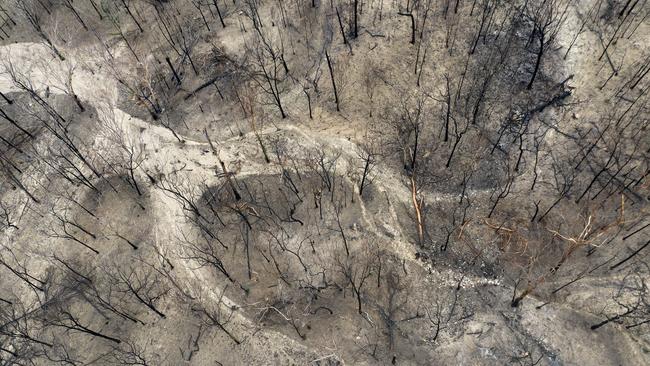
(482, 328)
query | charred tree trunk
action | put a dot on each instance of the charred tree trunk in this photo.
(336, 94)
(410, 15)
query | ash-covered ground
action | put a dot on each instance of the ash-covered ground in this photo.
(238, 182)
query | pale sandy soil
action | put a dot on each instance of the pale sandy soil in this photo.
(561, 329)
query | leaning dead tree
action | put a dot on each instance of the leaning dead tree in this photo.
(34, 13)
(547, 19)
(269, 68)
(141, 283)
(217, 314)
